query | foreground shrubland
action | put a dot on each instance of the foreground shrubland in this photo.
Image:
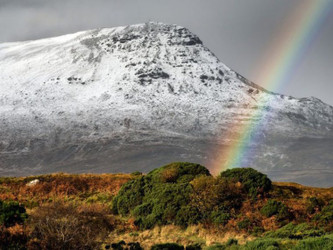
(180, 204)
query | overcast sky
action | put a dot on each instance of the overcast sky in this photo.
(237, 31)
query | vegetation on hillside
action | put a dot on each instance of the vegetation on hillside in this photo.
(179, 205)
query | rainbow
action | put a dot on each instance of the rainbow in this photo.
(279, 63)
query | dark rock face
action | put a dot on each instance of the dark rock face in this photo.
(146, 75)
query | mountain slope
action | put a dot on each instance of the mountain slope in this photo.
(85, 101)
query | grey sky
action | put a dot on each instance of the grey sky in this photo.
(237, 31)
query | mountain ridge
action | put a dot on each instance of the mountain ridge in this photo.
(149, 83)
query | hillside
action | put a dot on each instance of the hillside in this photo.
(177, 203)
(83, 102)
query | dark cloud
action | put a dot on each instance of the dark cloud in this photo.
(236, 31)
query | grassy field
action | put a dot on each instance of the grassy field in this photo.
(66, 210)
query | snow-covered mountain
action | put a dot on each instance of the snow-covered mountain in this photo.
(132, 98)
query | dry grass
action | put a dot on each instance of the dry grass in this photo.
(61, 186)
(92, 194)
(196, 234)
(305, 191)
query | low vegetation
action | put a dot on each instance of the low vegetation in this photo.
(275, 208)
(177, 206)
(11, 213)
(253, 182)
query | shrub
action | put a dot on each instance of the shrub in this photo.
(134, 246)
(215, 198)
(167, 246)
(178, 172)
(314, 205)
(262, 244)
(119, 246)
(320, 243)
(169, 203)
(257, 231)
(60, 226)
(293, 231)
(193, 247)
(244, 224)
(13, 239)
(160, 197)
(220, 218)
(179, 193)
(217, 247)
(277, 208)
(254, 182)
(325, 217)
(143, 210)
(11, 213)
(129, 196)
(187, 215)
(146, 222)
(231, 242)
(100, 198)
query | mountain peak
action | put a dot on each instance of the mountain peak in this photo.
(151, 29)
(110, 88)
(139, 65)
(146, 35)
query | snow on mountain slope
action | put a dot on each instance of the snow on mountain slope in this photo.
(132, 83)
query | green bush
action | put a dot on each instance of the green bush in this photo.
(161, 197)
(118, 246)
(134, 246)
(168, 202)
(129, 196)
(277, 208)
(244, 224)
(187, 215)
(254, 182)
(314, 205)
(293, 231)
(217, 247)
(147, 222)
(99, 198)
(319, 243)
(144, 209)
(231, 242)
(220, 218)
(193, 247)
(11, 213)
(262, 244)
(178, 172)
(325, 217)
(216, 199)
(167, 246)
(256, 231)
